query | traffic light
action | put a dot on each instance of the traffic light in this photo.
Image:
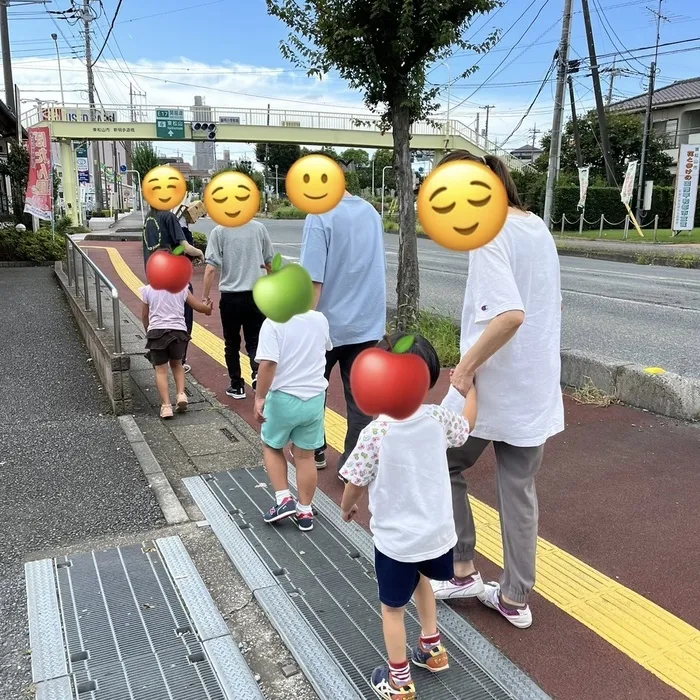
(207, 129)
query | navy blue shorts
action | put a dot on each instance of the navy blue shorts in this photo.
(398, 580)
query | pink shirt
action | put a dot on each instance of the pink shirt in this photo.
(166, 311)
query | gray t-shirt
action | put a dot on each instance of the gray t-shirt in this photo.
(238, 253)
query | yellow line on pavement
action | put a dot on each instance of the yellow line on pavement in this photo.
(662, 643)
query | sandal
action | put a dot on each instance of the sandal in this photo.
(166, 411)
(181, 403)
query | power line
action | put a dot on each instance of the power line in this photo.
(604, 20)
(111, 26)
(170, 12)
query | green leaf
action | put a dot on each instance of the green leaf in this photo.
(403, 344)
(277, 262)
(179, 250)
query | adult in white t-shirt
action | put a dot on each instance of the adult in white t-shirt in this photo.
(510, 346)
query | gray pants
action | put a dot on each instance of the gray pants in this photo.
(517, 505)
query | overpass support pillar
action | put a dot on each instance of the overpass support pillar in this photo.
(70, 183)
(437, 157)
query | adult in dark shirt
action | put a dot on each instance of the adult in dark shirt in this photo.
(162, 231)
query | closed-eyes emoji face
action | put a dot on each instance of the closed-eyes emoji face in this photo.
(462, 205)
(315, 184)
(164, 187)
(231, 199)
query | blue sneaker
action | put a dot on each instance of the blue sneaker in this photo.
(384, 688)
(287, 508)
(305, 521)
(434, 659)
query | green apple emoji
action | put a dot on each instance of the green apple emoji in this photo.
(285, 292)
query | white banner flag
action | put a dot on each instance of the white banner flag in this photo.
(686, 188)
(628, 184)
(583, 186)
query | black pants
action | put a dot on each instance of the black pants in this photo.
(345, 355)
(238, 310)
(189, 321)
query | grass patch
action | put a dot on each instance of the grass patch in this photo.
(441, 331)
(590, 395)
(663, 235)
(288, 213)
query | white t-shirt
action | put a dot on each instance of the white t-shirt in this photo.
(299, 348)
(405, 466)
(520, 399)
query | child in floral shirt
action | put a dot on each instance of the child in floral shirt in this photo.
(403, 463)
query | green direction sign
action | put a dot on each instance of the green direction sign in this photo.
(170, 124)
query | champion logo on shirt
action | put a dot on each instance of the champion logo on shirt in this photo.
(484, 307)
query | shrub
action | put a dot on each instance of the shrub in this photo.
(441, 331)
(289, 213)
(28, 246)
(199, 240)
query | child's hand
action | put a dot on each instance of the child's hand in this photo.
(348, 515)
(210, 306)
(258, 409)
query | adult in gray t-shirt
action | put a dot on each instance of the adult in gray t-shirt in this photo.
(240, 255)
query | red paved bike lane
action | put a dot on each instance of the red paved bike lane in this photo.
(618, 490)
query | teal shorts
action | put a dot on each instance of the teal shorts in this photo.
(290, 419)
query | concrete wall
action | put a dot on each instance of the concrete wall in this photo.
(112, 369)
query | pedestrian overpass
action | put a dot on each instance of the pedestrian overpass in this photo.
(74, 122)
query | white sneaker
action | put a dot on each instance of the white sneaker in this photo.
(447, 590)
(491, 598)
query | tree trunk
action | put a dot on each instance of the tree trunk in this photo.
(408, 282)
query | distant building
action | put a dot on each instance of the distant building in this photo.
(204, 151)
(226, 161)
(675, 113)
(527, 153)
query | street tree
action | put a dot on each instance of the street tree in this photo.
(625, 132)
(143, 158)
(245, 167)
(16, 168)
(283, 155)
(383, 48)
(384, 158)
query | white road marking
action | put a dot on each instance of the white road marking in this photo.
(655, 304)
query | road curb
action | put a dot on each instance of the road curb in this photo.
(667, 394)
(168, 501)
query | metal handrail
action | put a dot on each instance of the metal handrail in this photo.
(71, 249)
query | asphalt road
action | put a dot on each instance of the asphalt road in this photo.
(647, 315)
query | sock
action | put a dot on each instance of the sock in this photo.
(282, 496)
(304, 509)
(400, 674)
(428, 641)
(510, 606)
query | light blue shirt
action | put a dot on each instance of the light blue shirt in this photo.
(344, 250)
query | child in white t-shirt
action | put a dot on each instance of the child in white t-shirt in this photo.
(290, 403)
(403, 463)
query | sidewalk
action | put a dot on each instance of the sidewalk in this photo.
(610, 496)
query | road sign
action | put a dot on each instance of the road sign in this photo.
(122, 168)
(170, 124)
(81, 161)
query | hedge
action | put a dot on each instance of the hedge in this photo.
(28, 246)
(606, 200)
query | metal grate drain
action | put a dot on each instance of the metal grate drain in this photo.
(333, 587)
(131, 623)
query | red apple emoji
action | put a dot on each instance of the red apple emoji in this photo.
(169, 271)
(392, 383)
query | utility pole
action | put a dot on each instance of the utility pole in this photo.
(97, 165)
(478, 114)
(555, 141)
(488, 108)
(647, 115)
(614, 72)
(574, 122)
(534, 131)
(7, 59)
(600, 108)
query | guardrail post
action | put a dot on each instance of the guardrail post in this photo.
(75, 273)
(68, 266)
(86, 291)
(656, 226)
(98, 303)
(627, 225)
(602, 223)
(117, 323)
(580, 223)
(563, 223)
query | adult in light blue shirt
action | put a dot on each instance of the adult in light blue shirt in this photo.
(343, 251)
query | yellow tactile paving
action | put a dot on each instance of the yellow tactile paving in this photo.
(662, 643)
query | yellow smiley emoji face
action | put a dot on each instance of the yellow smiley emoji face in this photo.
(315, 184)
(462, 205)
(231, 199)
(164, 187)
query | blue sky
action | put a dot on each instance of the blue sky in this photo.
(228, 51)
